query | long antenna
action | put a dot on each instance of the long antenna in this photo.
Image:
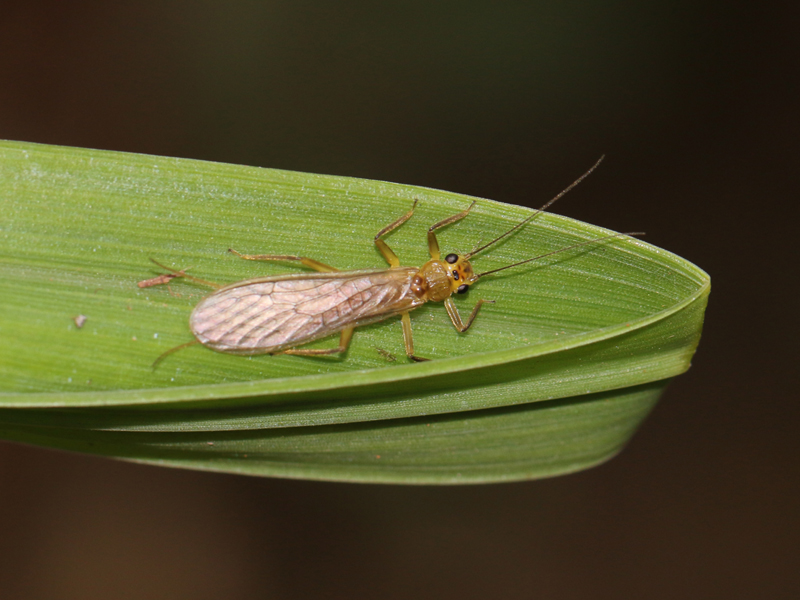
(542, 209)
(587, 242)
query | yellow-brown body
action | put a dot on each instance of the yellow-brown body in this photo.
(270, 315)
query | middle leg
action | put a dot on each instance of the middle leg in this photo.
(308, 262)
(387, 252)
(344, 342)
(408, 339)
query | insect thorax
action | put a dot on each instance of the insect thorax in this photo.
(433, 281)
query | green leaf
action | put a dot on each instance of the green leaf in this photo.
(553, 377)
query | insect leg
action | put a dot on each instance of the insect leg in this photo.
(387, 252)
(308, 262)
(173, 274)
(161, 279)
(433, 243)
(344, 342)
(409, 339)
(164, 355)
(452, 312)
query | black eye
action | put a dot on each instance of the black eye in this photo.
(462, 289)
(451, 258)
(455, 275)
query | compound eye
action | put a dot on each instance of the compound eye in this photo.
(462, 289)
(451, 258)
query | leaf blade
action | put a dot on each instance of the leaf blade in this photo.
(527, 441)
(81, 225)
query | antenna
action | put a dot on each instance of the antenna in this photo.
(542, 209)
(586, 243)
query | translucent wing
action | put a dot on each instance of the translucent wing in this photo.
(259, 316)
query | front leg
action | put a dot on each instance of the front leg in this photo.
(408, 339)
(433, 243)
(452, 312)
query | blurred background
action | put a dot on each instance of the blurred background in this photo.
(695, 106)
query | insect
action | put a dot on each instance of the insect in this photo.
(275, 315)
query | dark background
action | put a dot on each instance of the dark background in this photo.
(695, 106)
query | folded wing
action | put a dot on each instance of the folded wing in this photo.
(259, 316)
